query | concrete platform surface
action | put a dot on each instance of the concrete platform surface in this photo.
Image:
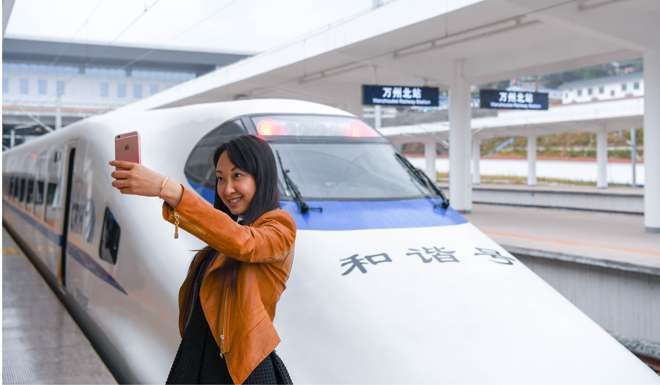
(41, 343)
(604, 239)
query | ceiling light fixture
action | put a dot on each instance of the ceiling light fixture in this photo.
(348, 67)
(486, 30)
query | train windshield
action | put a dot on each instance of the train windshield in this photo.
(337, 158)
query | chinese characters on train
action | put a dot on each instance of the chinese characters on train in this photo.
(425, 254)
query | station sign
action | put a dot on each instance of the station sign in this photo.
(513, 100)
(382, 95)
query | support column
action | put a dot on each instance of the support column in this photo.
(476, 158)
(430, 156)
(652, 140)
(58, 113)
(531, 160)
(633, 155)
(460, 188)
(601, 158)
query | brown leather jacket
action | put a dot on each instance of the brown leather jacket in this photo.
(240, 318)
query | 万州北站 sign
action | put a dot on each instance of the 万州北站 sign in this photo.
(513, 100)
(381, 95)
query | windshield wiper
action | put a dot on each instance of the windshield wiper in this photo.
(423, 179)
(293, 188)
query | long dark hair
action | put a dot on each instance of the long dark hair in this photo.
(254, 156)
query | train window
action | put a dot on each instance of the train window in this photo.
(110, 234)
(348, 171)
(30, 191)
(14, 189)
(21, 195)
(10, 191)
(235, 127)
(50, 193)
(199, 167)
(39, 193)
(333, 157)
(54, 172)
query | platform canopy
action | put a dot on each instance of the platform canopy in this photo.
(418, 43)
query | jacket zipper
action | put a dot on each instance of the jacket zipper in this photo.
(225, 317)
(176, 225)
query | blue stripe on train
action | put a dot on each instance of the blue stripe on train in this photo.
(364, 214)
(84, 259)
(43, 229)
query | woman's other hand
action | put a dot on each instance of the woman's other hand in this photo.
(136, 179)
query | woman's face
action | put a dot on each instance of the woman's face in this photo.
(235, 187)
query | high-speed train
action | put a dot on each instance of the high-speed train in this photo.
(389, 285)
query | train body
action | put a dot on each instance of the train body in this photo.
(387, 286)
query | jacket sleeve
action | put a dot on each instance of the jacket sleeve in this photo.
(269, 239)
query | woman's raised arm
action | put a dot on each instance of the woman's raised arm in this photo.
(269, 239)
(137, 179)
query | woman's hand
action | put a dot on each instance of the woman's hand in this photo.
(136, 179)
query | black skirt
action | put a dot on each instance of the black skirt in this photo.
(198, 360)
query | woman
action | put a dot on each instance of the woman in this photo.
(227, 301)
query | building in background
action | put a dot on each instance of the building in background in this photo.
(49, 84)
(600, 89)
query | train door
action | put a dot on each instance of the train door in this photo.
(66, 209)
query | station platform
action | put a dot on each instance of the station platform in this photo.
(618, 199)
(41, 343)
(616, 241)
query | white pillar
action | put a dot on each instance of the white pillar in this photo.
(652, 140)
(430, 156)
(531, 160)
(633, 155)
(476, 157)
(601, 158)
(58, 113)
(460, 135)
